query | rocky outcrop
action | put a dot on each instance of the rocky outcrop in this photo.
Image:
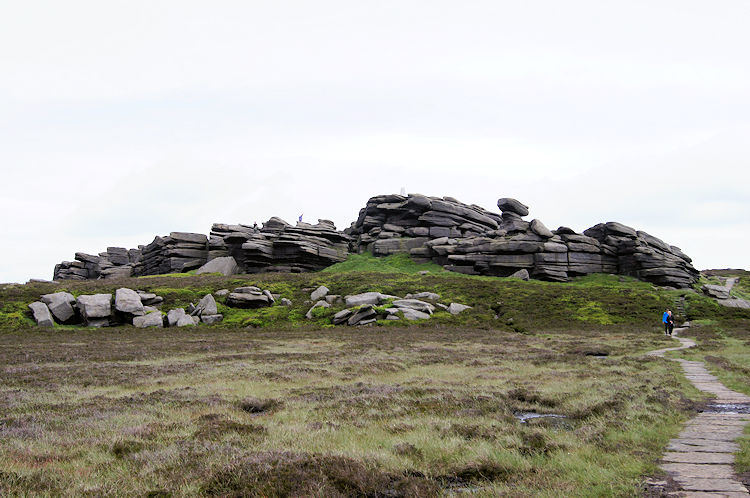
(460, 237)
(177, 253)
(113, 263)
(394, 223)
(278, 246)
(467, 239)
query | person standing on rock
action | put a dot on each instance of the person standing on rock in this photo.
(665, 320)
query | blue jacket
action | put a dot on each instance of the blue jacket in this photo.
(665, 317)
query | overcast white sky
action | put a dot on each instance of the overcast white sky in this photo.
(121, 120)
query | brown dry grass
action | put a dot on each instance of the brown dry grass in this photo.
(339, 412)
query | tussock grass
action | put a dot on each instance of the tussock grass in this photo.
(340, 412)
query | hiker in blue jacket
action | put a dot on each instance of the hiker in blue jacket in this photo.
(668, 322)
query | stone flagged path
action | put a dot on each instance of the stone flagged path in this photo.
(700, 459)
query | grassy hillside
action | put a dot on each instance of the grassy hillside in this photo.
(509, 304)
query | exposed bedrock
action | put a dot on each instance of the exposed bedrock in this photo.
(468, 239)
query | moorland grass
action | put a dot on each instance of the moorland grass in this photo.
(269, 403)
(404, 412)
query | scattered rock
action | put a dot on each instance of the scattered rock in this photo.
(211, 319)
(319, 293)
(414, 304)
(342, 316)
(424, 295)
(523, 274)
(174, 316)
(207, 306)
(319, 304)
(60, 304)
(95, 309)
(365, 314)
(412, 314)
(127, 301)
(249, 297)
(455, 308)
(285, 302)
(367, 298)
(221, 292)
(149, 320)
(42, 315)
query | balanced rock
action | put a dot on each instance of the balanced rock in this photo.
(508, 205)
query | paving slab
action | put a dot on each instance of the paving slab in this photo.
(709, 494)
(715, 485)
(706, 471)
(701, 458)
(703, 445)
(698, 457)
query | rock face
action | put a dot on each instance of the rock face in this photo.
(179, 252)
(467, 239)
(280, 247)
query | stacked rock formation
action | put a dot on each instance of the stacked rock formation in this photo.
(470, 240)
(280, 247)
(114, 262)
(390, 224)
(176, 253)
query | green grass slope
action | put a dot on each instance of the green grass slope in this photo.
(503, 303)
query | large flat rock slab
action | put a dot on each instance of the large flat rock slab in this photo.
(702, 445)
(708, 484)
(698, 457)
(712, 471)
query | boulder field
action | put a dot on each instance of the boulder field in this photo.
(460, 237)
